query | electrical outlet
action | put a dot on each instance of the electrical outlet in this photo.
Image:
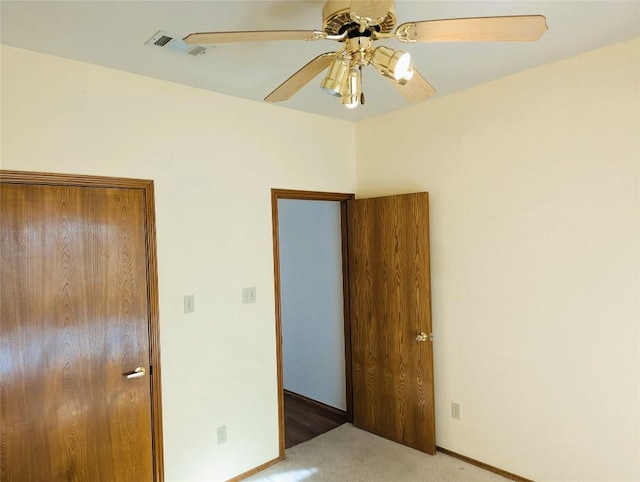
(222, 434)
(249, 295)
(189, 306)
(455, 410)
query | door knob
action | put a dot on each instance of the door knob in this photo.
(137, 373)
(422, 337)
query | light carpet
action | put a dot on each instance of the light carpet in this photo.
(347, 454)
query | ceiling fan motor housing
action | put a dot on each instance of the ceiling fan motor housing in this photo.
(336, 16)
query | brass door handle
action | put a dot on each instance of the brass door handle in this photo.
(137, 373)
(422, 337)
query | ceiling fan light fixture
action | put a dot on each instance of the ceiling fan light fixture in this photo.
(336, 78)
(391, 63)
(353, 90)
(350, 105)
(402, 67)
(406, 77)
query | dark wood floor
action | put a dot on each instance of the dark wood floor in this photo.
(305, 418)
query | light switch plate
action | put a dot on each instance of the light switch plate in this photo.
(189, 306)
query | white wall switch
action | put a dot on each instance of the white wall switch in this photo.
(222, 434)
(249, 295)
(189, 306)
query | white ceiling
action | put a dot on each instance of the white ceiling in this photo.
(113, 34)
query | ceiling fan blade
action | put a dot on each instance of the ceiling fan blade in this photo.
(249, 36)
(373, 11)
(415, 90)
(301, 78)
(479, 29)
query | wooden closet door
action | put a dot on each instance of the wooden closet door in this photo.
(392, 355)
(74, 320)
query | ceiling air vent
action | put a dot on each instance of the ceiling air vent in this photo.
(196, 50)
(162, 41)
(174, 43)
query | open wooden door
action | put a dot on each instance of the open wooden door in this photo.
(392, 353)
(78, 331)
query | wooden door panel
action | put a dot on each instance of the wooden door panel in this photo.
(74, 319)
(389, 281)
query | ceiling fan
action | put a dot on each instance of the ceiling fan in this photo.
(358, 24)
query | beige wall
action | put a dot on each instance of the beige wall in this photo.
(534, 190)
(535, 211)
(214, 160)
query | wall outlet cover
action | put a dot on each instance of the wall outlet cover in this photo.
(222, 434)
(455, 410)
(249, 295)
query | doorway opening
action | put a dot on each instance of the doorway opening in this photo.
(386, 314)
(312, 313)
